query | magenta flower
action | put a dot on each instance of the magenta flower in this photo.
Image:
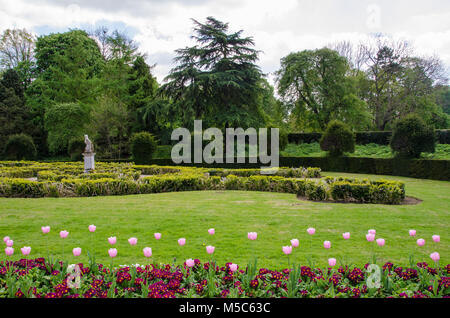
(252, 235)
(63, 234)
(435, 256)
(372, 232)
(182, 241)
(436, 238)
(233, 267)
(76, 251)
(45, 229)
(311, 231)
(157, 236)
(346, 235)
(421, 242)
(26, 250)
(132, 241)
(112, 252)
(6, 239)
(287, 250)
(9, 251)
(331, 262)
(9, 243)
(412, 232)
(370, 237)
(112, 240)
(210, 249)
(327, 244)
(190, 262)
(147, 252)
(295, 243)
(92, 228)
(211, 231)
(380, 242)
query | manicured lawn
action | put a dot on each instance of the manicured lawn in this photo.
(442, 151)
(276, 217)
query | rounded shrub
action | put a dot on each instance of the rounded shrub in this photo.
(337, 139)
(19, 147)
(143, 145)
(76, 148)
(411, 136)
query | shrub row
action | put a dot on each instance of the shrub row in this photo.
(373, 192)
(364, 137)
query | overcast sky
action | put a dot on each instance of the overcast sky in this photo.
(278, 27)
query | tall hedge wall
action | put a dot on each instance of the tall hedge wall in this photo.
(364, 137)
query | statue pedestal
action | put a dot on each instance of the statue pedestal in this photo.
(89, 162)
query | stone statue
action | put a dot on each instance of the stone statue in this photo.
(89, 146)
(88, 154)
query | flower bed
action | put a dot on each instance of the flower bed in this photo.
(40, 279)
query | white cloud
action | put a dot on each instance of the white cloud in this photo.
(278, 27)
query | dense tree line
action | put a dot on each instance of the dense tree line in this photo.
(58, 87)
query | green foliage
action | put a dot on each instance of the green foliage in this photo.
(19, 147)
(143, 145)
(316, 85)
(64, 122)
(216, 80)
(411, 136)
(337, 139)
(76, 148)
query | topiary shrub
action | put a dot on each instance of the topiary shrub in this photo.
(411, 136)
(337, 139)
(143, 145)
(19, 147)
(76, 148)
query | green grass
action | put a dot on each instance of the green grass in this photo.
(369, 150)
(276, 217)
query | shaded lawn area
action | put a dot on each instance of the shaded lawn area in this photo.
(277, 218)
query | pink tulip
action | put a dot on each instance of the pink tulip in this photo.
(346, 235)
(112, 240)
(157, 236)
(372, 232)
(63, 234)
(26, 250)
(112, 252)
(435, 256)
(287, 250)
(211, 231)
(252, 235)
(331, 262)
(76, 251)
(412, 232)
(9, 251)
(9, 243)
(92, 228)
(295, 243)
(436, 238)
(233, 267)
(327, 244)
(132, 241)
(190, 262)
(45, 229)
(421, 242)
(6, 239)
(370, 237)
(380, 242)
(210, 249)
(181, 241)
(311, 231)
(147, 252)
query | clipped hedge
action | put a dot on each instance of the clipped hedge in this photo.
(364, 137)
(317, 190)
